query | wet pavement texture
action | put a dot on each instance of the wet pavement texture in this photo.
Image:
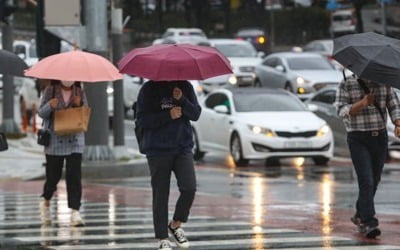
(292, 206)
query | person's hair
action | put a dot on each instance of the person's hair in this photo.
(55, 82)
(76, 83)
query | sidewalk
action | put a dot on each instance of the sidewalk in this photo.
(24, 160)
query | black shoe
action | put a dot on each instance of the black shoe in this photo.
(371, 232)
(179, 236)
(356, 220)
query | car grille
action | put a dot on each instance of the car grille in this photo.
(214, 84)
(321, 85)
(246, 69)
(298, 134)
(263, 148)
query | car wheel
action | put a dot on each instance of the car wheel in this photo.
(272, 162)
(289, 87)
(236, 151)
(197, 154)
(320, 161)
(257, 83)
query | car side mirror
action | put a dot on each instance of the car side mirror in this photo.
(280, 68)
(222, 109)
(312, 107)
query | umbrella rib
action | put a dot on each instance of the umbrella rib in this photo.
(367, 64)
(197, 63)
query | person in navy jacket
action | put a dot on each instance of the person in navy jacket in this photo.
(164, 111)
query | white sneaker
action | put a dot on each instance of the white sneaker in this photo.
(76, 220)
(164, 245)
(45, 214)
(179, 236)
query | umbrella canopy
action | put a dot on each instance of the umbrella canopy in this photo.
(166, 62)
(75, 66)
(370, 56)
(11, 64)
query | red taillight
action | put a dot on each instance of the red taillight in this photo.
(239, 38)
(331, 58)
(353, 21)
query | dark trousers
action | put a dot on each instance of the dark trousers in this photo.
(54, 167)
(161, 168)
(368, 152)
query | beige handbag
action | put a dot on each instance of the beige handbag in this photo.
(71, 120)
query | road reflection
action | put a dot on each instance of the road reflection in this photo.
(257, 192)
(326, 200)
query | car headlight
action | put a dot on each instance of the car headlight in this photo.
(232, 80)
(262, 131)
(110, 90)
(323, 130)
(300, 80)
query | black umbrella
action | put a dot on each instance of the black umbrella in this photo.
(370, 56)
(11, 64)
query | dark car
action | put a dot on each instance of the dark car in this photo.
(255, 36)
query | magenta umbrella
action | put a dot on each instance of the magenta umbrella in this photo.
(168, 62)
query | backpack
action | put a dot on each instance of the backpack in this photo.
(139, 130)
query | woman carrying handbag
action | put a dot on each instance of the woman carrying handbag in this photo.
(69, 148)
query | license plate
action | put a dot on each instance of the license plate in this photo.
(247, 79)
(298, 144)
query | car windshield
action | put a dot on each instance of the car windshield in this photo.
(236, 50)
(309, 63)
(266, 102)
(192, 33)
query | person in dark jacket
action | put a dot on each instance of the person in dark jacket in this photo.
(164, 111)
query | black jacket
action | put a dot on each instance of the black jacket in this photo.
(163, 135)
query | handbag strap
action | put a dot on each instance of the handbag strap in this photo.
(52, 96)
(367, 91)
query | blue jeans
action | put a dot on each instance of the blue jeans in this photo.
(368, 152)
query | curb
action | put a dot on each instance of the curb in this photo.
(104, 170)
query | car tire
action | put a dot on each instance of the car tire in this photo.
(320, 161)
(197, 154)
(272, 162)
(288, 87)
(257, 83)
(237, 152)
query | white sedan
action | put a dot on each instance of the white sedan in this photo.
(253, 123)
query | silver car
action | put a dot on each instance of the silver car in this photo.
(243, 58)
(300, 73)
(321, 103)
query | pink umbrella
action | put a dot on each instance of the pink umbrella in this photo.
(75, 66)
(166, 62)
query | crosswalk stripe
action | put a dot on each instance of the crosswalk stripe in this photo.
(206, 243)
(124, 227)
(151, 235)
(28, 204)
(83, 210)
(88, 221)
(132, 214)
(378, 247)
